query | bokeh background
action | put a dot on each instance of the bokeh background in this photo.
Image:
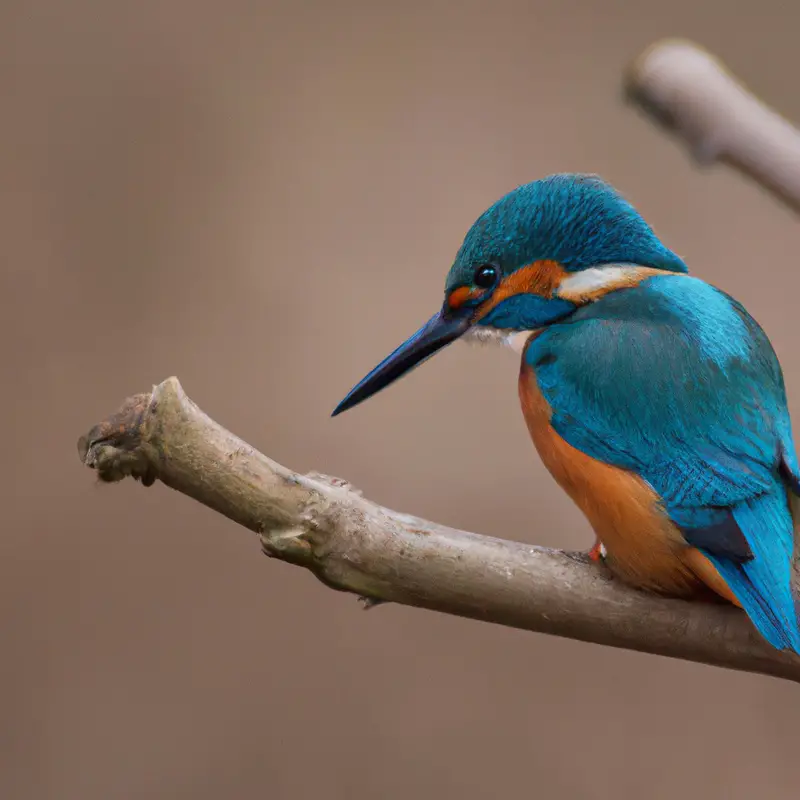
(263, 199)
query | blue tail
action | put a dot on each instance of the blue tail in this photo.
(763, 585)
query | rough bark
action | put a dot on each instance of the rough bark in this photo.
(354, 545)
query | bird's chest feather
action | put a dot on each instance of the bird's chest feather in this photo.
(643, 547)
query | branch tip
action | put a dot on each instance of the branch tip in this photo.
(113, 448)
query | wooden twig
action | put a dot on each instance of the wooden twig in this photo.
(355, 545)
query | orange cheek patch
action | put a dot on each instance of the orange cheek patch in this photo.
(540, 277)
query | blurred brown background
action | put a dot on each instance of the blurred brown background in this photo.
(263, 199)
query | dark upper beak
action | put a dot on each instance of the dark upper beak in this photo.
(436, 333)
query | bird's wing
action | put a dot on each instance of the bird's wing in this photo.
(674, 381)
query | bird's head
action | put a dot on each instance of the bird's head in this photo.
(532, 259)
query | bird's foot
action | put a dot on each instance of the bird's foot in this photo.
(598, 551)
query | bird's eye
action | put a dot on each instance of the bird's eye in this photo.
(485, 276)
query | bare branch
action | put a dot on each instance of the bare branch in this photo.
(690, 93)
(354, 545)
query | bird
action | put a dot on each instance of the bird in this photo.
(654, 399)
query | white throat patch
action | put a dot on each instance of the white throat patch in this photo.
(484, 334)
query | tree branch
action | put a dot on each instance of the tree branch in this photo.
(691, 94)
(354, 545)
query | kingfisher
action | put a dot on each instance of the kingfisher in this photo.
(654, 399)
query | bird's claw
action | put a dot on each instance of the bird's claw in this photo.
(598, 551)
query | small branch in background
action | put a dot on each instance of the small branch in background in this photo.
(690, 93)
(354, 545)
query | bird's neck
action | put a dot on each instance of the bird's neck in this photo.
(581, 288)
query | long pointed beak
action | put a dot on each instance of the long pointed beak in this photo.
(439, 331)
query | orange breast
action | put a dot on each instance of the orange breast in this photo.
(643, 547)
